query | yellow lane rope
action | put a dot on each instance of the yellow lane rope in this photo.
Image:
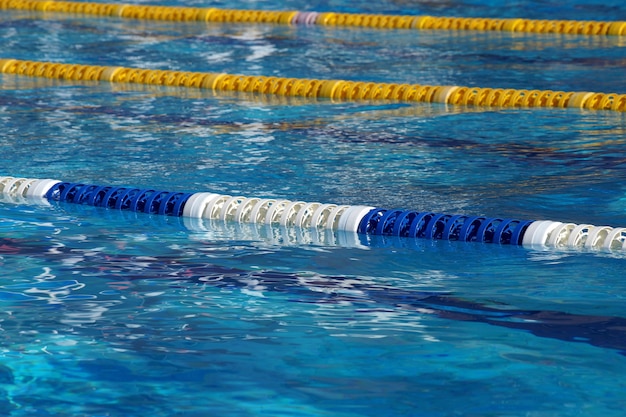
(175, 13)
(333, 89)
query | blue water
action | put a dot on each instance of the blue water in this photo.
(107, 313)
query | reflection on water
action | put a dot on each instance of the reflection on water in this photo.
(178, 266)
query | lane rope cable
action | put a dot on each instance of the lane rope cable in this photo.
(314, 88)
(379, 21)
(364, 220)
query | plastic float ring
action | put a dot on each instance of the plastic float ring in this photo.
(109, 73)
(542, 234)
(212, 80)
(139, 200)
(518, 233)
(303, 219)
(560, 235)
(311, 18)
(14, 185)
(617, 29)
(69, 192)
(213, 207)
(469, 229)
(23, 187)
(118, 199)
(196, 203)
(329, 88)
(179, 204)
(259, 210)
(110, 195)
(320, 214)
(578, 100)
(421, 22)
(403, 221)
(419, 223)
(3, 182)
(596, 236)
(10, 185)
(578, 236)
(55, 191)
(125, 197)
(624, 245)
(5, 64)
(351, 218)
(243, 211)
(230, 207)
(97, 196)
(41, 187)
(433, 228)
(503, 227)
(333, 217)
(156, 196)
(83, 193)
(364, 224)
(297, 17)
(167, 201)
(291, 212)
(616, 235)
(451, 226)
(443, 94)
(538, 232)
(153, 202)
(481, 233)
(22, 190)
(328, 221)
(390, 215)
(326, 19)
(275, 210)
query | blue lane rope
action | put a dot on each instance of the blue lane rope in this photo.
(121, 198)
(365, 220)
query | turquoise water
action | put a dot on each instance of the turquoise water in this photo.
(108, 313)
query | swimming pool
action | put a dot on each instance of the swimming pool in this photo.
(118, 313)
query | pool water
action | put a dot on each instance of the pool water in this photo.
(108, 313)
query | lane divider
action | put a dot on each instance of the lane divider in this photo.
(379, 21)
(333, 89)
(365, 220)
